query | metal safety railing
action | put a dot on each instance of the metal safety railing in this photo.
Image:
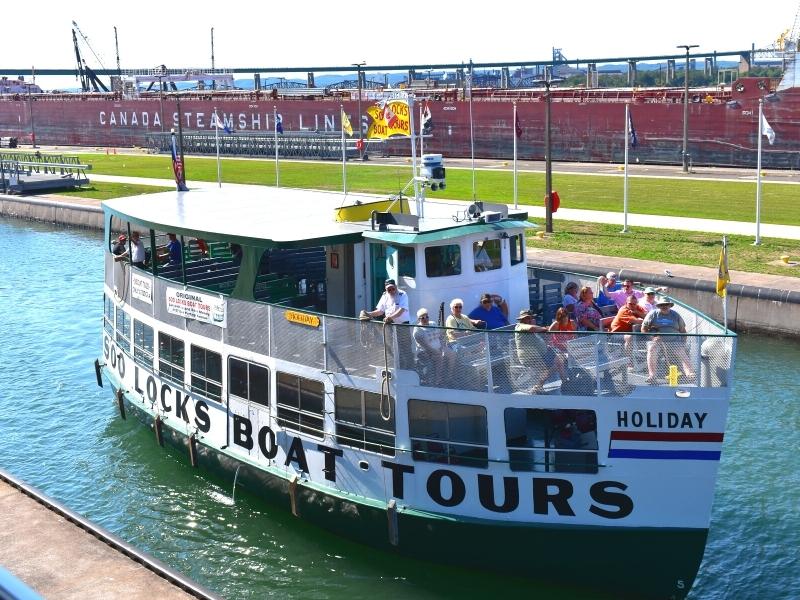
(314, 145)
(498, 361)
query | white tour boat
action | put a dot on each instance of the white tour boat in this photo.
(243, 347)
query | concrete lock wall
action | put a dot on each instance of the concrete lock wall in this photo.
(51, 211)
(750, 308)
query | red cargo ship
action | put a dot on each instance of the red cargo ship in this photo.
(587, 124)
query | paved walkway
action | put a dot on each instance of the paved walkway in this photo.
(566, 214)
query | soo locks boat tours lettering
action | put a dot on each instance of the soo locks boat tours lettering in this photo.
(446, 487)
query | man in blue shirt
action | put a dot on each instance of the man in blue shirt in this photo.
(175, 250)
(493, 310)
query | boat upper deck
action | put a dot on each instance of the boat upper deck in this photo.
(260, 215)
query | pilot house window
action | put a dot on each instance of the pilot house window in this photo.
(441, 261)
(487, 255)
(517, 247)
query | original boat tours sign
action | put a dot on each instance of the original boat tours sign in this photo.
(194, 305)
(142, 288)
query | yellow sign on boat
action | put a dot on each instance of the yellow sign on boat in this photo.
(302, 318)
(363, 211)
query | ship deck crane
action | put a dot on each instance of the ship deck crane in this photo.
(89, 80)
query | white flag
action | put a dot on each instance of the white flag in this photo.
(767, 130)
(219, 122)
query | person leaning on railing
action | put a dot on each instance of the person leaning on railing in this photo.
(393, 307)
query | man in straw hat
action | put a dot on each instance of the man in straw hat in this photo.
(533, 351)
(664, 320)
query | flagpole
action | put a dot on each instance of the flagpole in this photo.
(471, 130)
(625, 184)
(216, 141)
(421, 143)
(275, 127)
(344, 153)
(514, 134)
(758, 173)
(725, 297)
(414, 172)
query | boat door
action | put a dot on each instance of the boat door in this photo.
(383, 265)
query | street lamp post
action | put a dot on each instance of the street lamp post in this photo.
(360, 123)
(685, 155)
(548, 162)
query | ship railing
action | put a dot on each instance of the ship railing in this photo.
(499, 361)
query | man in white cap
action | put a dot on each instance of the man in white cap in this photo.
(393, 305)
(648, 301)
(612, 285)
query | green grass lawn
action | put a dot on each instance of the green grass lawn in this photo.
(729, 200)
(665, 245)
(705, 199)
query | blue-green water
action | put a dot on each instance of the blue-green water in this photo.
(61, 433)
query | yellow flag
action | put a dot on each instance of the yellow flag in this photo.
(723, 277)
(348, 128)
(389, 119)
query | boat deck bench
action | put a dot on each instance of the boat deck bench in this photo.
(595, 354)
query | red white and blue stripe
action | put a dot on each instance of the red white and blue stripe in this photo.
(665, 445)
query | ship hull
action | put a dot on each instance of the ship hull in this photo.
(721, 133)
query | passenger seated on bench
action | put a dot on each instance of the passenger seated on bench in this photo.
(459, 324)
(620, 296)
(648, 301)
(431, 349)
(587, 314)
(602, 300)
(666, 320)
(570, 297)
(493, 310)
(534, 353)
(561, 323)
(629, 315)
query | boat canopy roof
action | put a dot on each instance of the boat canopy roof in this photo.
(282, 217)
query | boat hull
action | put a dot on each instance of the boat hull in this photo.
(649, 562)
